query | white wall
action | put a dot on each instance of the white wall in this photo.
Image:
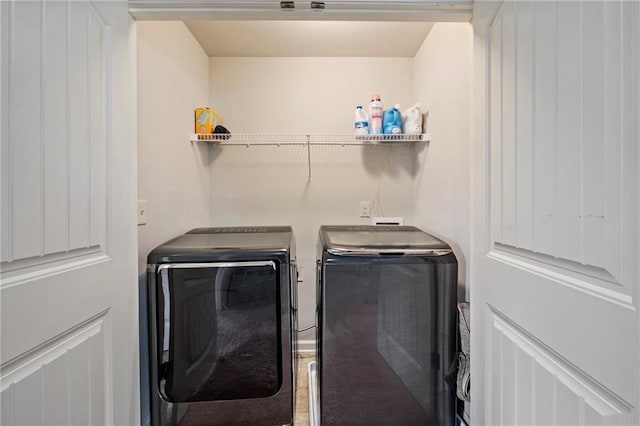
(173, 173)
(301, 95)
(268, 185)
(442, 187)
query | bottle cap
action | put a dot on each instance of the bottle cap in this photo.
(375, 96)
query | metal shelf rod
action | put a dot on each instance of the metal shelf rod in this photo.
(309, 155)
(312, 144)
(248, 144)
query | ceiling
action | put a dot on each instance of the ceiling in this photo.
(309, 38)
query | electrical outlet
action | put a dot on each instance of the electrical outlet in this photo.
(365, 209)
(142, 212)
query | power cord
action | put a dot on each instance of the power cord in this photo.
(384, 164)
(305, 329)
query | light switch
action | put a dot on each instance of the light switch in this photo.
(365, 208)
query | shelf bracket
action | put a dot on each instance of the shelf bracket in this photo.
(309, 155)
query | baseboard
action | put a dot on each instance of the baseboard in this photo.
(307, 347)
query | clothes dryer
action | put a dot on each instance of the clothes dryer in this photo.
(221, 325)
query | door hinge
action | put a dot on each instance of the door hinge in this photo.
(317, 5)
(287, 5)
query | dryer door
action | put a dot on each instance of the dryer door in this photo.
(218, 331)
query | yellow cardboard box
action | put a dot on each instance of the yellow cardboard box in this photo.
(206, 119)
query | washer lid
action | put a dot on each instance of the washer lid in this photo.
(214, 242)
(381, 240)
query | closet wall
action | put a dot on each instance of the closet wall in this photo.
(173, 173)
(442, 70)
(269, 185)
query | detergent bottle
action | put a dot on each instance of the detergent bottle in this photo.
(375, 115)
(392, 121)
(361, 122)
(413, 120)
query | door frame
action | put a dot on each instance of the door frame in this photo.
(482, 15)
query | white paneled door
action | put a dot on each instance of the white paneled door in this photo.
(68, 280)
(555, 271)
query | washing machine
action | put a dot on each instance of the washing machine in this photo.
(386, 307)
(222, 319)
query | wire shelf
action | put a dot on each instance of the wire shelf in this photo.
(275, 139)
(308, 140)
